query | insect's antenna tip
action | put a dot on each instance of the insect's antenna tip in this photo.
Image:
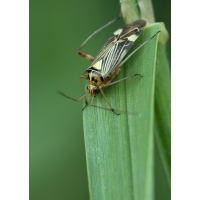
(59, 92)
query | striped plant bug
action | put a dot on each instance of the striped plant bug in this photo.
(106, 65)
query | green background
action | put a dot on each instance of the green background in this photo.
(57, 154)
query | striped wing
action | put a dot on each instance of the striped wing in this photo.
(117, 47)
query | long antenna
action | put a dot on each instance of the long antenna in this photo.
(136, 50)
(100, 30)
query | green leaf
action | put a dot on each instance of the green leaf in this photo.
(163, 106)
(129, 10)
(119, 149)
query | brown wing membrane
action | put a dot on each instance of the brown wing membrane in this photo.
(117, 47)
(129, 28)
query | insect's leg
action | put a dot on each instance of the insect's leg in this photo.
(72, 98)
(102, 107)
(97, 106)
(86, 103)
(84, 96)
(136, 50)
(116, 71)
(108, 102)
(106, 85)
(87, 56)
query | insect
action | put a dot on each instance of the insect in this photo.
(106, 65)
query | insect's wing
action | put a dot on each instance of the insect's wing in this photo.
(98, 61)
(117, 47)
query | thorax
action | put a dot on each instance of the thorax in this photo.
(94, 76)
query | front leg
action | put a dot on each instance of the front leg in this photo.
(107, 103)
(86, 103)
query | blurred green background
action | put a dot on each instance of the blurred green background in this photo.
(57, 154)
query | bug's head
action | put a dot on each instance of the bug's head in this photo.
(93, 90)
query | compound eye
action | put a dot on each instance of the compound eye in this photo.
(87, 87)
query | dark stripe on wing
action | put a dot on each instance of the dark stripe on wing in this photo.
(106, 46)
(115, 55)
(93, 69)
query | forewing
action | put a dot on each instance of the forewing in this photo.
(114, 56)
(117, 47)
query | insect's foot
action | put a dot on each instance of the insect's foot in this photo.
(137, 75)
(115, 112)
(86, 104)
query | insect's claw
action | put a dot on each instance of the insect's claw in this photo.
(115, 112)
(86, 104)
(138, 74)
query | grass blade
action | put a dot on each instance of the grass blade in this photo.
(119, 149)
(163, 106)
